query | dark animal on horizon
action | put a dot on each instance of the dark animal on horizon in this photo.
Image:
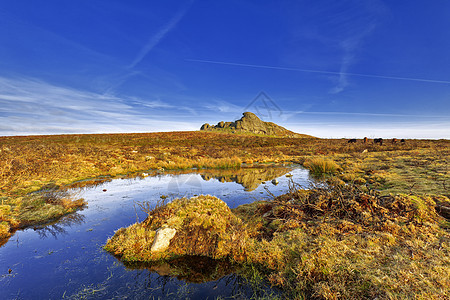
(378, 141)
(394, 140)
(402, 141)
(351, 141)
(365, 140)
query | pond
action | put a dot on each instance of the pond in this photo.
(66, 260)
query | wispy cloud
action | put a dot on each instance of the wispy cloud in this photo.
(30, 106)
(155, 39)
(223, 107)
(351, 25)
(349, 47)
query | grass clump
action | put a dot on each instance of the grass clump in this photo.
(34, 209)
(205, 226)
(321, 166)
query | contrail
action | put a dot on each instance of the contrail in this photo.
(154, 40)
(317, 71)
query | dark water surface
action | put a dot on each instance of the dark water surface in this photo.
(66, 259)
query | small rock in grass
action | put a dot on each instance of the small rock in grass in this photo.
(162, 239)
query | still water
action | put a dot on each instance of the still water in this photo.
(66, 259)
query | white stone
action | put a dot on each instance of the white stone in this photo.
(162, 239)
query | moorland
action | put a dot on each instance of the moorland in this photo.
(375, 230)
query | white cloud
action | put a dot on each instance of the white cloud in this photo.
(29, 106)
(223, 107)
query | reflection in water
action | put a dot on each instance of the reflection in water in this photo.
(59, 227)
(191, 269)
(5, 240)
(249, 178)
(90, 182)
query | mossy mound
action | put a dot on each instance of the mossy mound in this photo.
(205, 226)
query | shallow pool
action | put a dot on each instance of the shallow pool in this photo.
(66, 260)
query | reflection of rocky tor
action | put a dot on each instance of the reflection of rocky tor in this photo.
(249, 178)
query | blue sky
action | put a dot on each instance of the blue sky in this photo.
(326, 68)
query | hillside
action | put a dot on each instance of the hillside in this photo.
(250, 123)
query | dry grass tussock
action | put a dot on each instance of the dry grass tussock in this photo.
(320, 166)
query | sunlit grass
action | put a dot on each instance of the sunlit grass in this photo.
(27, 164)
(321, 166)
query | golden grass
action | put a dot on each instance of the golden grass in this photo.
(28, 163)
(420, 171)
(320, 166)
(350, 242)
(327, 243)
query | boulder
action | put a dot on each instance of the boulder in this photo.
(205, 126)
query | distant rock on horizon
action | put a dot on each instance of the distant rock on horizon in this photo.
(250, 123)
